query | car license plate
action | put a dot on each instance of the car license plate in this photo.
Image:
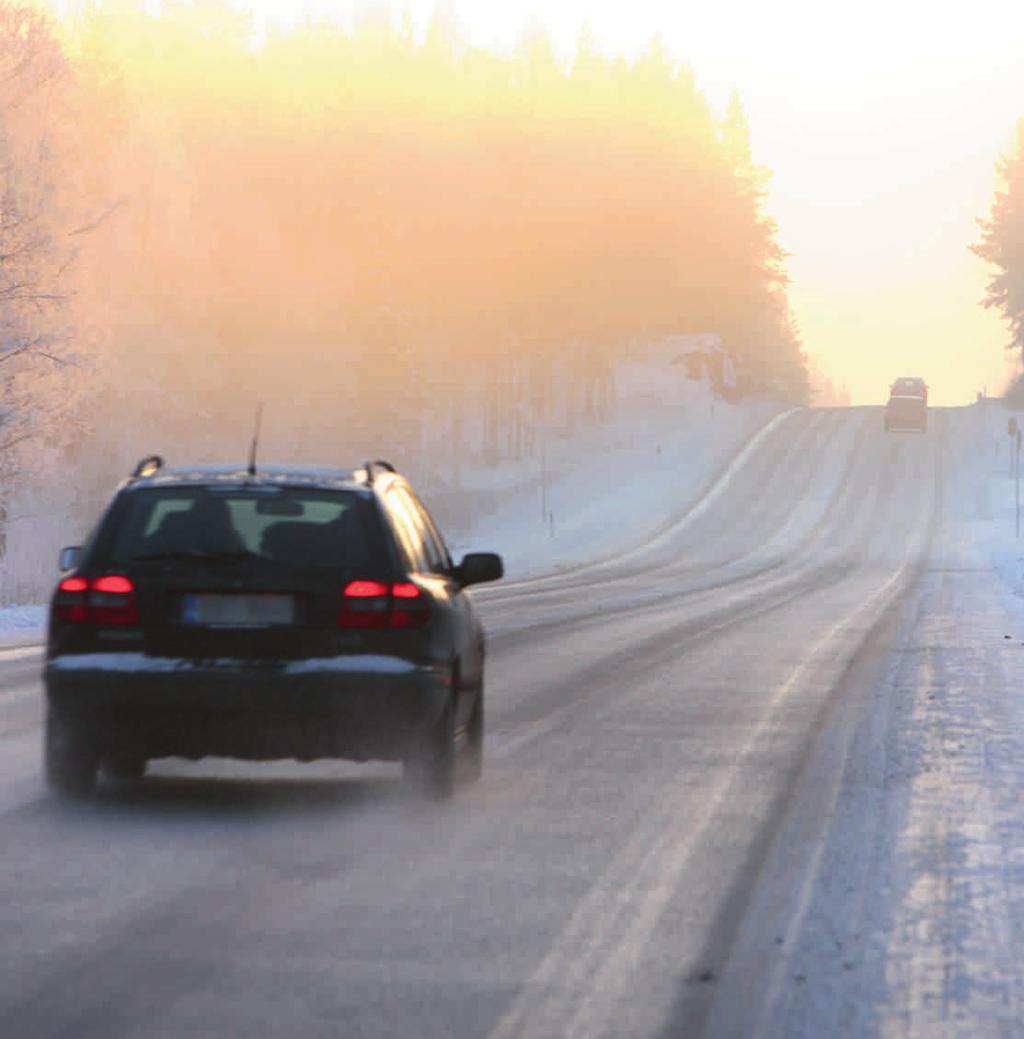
(238, 611)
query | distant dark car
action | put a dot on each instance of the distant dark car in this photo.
(906, 414)
(909, 386)
(287, 613)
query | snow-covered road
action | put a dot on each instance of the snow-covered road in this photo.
(760, 776)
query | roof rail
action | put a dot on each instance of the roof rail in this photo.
(380, 464)
(148, 466)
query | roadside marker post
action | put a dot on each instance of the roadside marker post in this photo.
(1012, 431)
(1017, 478)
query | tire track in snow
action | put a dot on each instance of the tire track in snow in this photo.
(576, 988)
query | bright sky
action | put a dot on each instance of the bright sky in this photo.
(882, 121)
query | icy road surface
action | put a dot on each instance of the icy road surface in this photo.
(759, 778)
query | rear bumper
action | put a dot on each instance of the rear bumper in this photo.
(909, 415)
(337, 707)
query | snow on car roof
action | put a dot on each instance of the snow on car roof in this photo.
(239, 473)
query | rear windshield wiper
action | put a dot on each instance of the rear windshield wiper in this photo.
(196, 554)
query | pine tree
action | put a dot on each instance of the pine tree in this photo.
(763, 333)
(1002, 243)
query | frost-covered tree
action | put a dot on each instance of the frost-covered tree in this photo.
(759, 326)
(1002, 242)
(36, 245)
(36, 250)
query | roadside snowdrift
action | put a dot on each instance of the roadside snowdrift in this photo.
(587, 490)
(603, 489)
(983, 498)
(911, 924)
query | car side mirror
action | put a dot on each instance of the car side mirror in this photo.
(69, 557)
(478, 567)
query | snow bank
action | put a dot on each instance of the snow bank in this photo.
(583, 489)
(22, 625)
(602, 489)
(981, 501)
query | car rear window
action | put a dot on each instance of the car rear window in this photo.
(295, 527)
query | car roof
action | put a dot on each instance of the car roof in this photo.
(353, 478)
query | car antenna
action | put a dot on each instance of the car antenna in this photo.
(255, 439)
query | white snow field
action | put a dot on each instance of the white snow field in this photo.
(607, 488)
(22, 625)
(589, 490)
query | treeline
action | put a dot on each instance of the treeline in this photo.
(1002, 245)
(37, 229)
(369, 230)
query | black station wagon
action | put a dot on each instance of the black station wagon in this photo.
(284, 612)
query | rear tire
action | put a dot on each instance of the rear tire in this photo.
(474, 749)
(125, 767)
(70, 759)
(429, 767)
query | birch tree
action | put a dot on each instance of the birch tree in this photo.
(35, 248)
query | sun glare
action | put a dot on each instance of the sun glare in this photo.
(880, 123)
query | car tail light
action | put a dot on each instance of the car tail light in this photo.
(374, 604)
(410, 608)
(112, 600)
(109, 600)
(70, 604)
(365, 604)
